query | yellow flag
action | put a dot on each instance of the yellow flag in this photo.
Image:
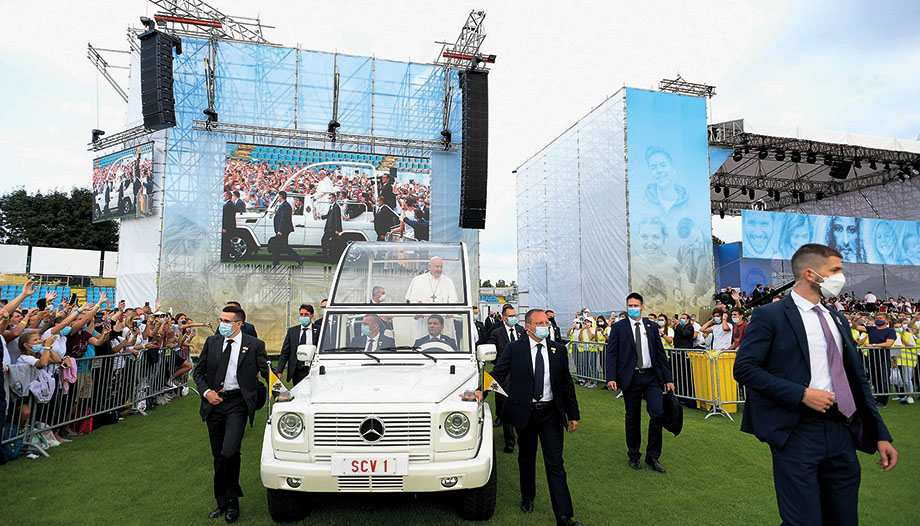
(276, 384)
(491, 385)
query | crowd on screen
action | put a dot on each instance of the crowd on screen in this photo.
(256, 184)
(44, 361)
(124, 177)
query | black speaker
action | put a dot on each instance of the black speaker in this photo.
(475, 151)
(840, 169)
(157, 102)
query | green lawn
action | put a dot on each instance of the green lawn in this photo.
(157, 470)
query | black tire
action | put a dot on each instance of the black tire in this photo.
(478, 504)
(242, 246)
(126, 207)
(97, 212)
(287, 506)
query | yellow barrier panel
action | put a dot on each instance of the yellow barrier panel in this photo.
(712, 378)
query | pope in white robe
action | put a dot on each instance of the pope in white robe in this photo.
(432, 286)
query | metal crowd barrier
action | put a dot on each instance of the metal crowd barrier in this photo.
(705, 378)
(105, 385)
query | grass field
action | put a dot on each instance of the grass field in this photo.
(157, 470)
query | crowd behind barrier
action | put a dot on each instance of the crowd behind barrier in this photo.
(93, 393)
(703, 378)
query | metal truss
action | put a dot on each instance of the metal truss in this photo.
(464, 53)
(103, 66)
(196, 18)
(679, 85)
(119, 138)
(308, 135)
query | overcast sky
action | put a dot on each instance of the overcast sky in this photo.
(846, 66)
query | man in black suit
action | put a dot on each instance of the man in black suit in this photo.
(534, 371)
(502, 334)
(636, 363)
(304, 332)
(238, 203)
(480, 328)
(228, 225)
(387, 193)
(371, 338)
(554, 333)
(284, 225)
(227, 376)
(384, 219)
(333, 230)
(435, 330)
(808, 397)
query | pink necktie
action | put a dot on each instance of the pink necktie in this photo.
(842, 392)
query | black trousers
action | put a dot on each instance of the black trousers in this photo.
(284, 248)
(547, 425)
(226, 423)
(816, 474)
(644, 385)
(507, 429)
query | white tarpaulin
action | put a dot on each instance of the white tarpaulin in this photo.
(110, 265)
(13, 259)
(65, 261)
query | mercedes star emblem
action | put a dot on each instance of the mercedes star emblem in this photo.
(371, 429)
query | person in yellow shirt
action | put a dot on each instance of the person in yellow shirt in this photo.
(666, 332)
(906, 359)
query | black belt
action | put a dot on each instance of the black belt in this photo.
(230, 394)
(541, 405)
(832, 414)
(641, 370)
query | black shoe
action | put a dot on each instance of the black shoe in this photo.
(634, 464)
(656, 466)
(567, 521)
(216, 513)
(527, 506)
(509, 449)
(233, 513)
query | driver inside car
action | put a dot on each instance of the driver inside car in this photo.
(435, 333)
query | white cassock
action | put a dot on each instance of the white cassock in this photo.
(427, 289)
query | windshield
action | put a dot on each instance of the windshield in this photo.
(379, 335)
(381, 273)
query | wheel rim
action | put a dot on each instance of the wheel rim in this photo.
(238, 248)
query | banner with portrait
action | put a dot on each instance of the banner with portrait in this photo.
(299, 206)
(777, 235)
(124, 184)
(670, 229)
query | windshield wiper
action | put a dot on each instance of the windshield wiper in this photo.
(410, 348)
(353, 349)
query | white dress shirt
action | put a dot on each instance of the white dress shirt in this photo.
(646, 357)
(371, 343)
(817, 344)
(547, 388)
(230, 381)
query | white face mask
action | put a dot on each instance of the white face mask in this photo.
(832, 285)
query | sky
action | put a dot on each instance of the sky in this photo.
(843, 66)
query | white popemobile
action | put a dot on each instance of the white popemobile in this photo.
(387, 405)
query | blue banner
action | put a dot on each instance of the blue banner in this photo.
(670, 230)
(776, 235)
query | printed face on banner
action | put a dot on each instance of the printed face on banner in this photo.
(669, 219)
(859, 240)
(124, 184)
(295, 206)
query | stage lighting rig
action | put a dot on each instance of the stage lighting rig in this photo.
(769, 192)
(751, 193)
(872, 164)
(780, 154)
(796, 156)
(762, 154)
(887, 166)
(446, 137)
(819, 195)
(148, 23)
(96, 135)
(828, 159)
(776, 195)
(743, 189)
(211, 113)
(795, 193)
(721, 213)
(725, 192)
(717, 188)
(737, 156)
(857, 162)
(811, 157)
(801, 197)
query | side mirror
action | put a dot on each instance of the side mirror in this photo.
(486, 352)
(306, 352)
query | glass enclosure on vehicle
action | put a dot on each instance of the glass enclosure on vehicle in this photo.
(394, 273)
(424, 332)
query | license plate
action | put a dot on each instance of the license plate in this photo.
(365, 465)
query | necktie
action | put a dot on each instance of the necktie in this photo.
(303, 335)
(511, 334)
(838, 375)
(222, 365)
(370, 345)
(538, 374)
(639, 360)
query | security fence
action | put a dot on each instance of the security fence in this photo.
(84, 393)
(704, 379)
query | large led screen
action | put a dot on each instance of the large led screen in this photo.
(670, 243)
(123, 184)
(296, 206)
(777, 235)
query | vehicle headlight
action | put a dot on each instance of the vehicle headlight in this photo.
(290, 425)
(457, 425)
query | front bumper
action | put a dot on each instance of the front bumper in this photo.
(422, 477)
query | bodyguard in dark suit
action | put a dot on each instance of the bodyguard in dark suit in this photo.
(534, 371)
(502, 334)
(554, 333)
(227, 376)
(808, 397)
(435, 328)
(227, 225)
(480, 328)
(332, 230)
(637, 364)
(284, 225)
(248, 328)
(371, 338)
(304, 332)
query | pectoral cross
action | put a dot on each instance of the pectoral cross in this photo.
(434, 297)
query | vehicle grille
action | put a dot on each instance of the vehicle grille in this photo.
(373, 483)
(341, 430)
